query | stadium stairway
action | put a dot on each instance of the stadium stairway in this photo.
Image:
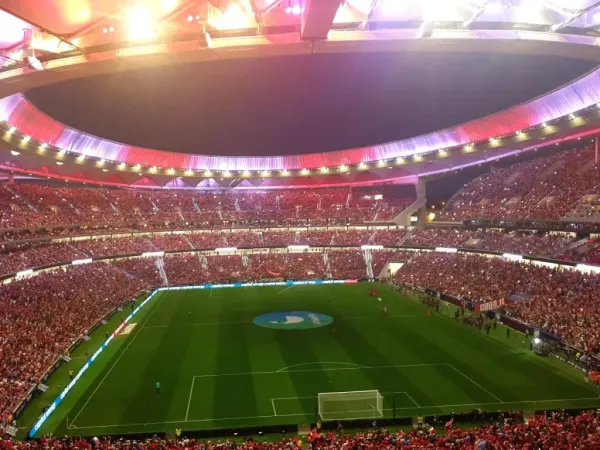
(160, 265)
(406, 237)
(26, 201)
(571, 246)
(196, 207)
(188, 241)
(327, 266)
(368, 263)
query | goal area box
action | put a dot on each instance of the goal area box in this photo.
(350, 405)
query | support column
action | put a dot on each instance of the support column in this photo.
(317, 18)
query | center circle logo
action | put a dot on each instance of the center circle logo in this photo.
(294, 320)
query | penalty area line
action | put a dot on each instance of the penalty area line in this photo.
(475, 383)
(216, 419)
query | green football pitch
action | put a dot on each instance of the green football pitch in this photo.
(218, 368)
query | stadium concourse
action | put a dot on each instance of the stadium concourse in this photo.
(552, 432)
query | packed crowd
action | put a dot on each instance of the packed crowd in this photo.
(587, 251)
(17, 256)
(519, 242)
(34, 205)
(549, 187)
(563, 302)
(40, 317)
(553, 431)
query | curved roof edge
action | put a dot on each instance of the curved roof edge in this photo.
(584, 92)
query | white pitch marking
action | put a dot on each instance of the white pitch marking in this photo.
(320, 362)
(475, 383)
(187, 411)
(115, 363)
(307, 414)
(412, 399)
(284, 289)
(321, 369)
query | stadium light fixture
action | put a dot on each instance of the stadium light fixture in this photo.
(381, 163)
(44, 145)
(234, 17)
(518, 132)
(324, 170)
(140, 23)
(152, 169)
(544, 125)
(343, 168)
(362, 166)
(418, 158)
(265, 173)
(285, 172)
(305, 171)
(189, 172)
(11, 130)
(493, 140)
(227, 173)
(80, 158)
(62, 152)
(122, 166)
(207, 173)
(26, 139)
(572, 116)
(400, 160)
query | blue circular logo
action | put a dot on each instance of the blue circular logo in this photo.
(294, 320)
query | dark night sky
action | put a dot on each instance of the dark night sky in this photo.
(300, 104)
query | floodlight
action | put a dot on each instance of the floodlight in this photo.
(537, 341)
(140, 23)
(34, 63)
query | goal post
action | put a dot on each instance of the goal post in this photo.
(350, 405)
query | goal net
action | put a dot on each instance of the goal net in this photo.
(350, 405)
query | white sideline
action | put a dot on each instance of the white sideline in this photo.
(305, 414)
(114, 364)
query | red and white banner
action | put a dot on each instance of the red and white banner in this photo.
(489, 306)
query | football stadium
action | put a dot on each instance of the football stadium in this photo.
(278, 224)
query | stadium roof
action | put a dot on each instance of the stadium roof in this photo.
(67, 39)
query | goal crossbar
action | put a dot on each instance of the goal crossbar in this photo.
(350, 405)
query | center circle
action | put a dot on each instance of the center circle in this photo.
(293, 320)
